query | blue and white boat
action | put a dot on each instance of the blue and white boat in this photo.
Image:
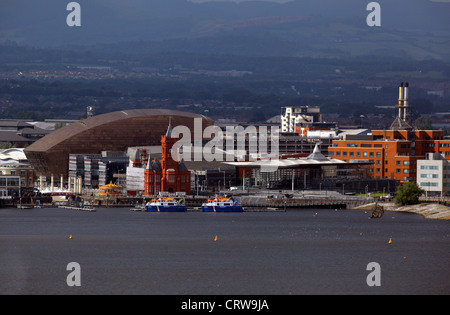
(222, 205)
(165, 205)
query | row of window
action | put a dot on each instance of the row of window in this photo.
(398, 170)
(429, 167)
(429, 176)
(4, 172)
(365, 145)
(428, 184)
(9, 182)
(358, 154)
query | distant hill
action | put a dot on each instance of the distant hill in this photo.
(414, 28)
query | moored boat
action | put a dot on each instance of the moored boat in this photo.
(221, 205)
(165, 204)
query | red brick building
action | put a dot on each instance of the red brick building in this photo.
(167, 174)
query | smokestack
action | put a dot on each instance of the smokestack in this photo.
(400, 94)
(405, 94)
(400, 100)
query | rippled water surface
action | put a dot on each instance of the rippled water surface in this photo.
(294, 252)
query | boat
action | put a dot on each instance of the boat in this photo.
(165, 204)
(222, 205)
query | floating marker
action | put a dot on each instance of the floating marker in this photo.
(70, 236)
(215, 239)
(390, 240)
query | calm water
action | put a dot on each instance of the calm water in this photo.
(294, 252)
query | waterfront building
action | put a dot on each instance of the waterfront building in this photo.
(166, 175)
(394, 152)
(314, 171)
(115, 131)
(16, 174)
(433, 175)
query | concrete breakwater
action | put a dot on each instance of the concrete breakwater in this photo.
(428, 210)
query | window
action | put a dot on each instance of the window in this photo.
(344, 153)
(398, 171)
(364, 154)
(405, 171)
(378, 154)
(371, 154)
(338, 153)
(397, 162)
(429, 167)
(429, 176)
(428, 184)
(378, 170)
(406, 163)
(358, 154)
(352, 153)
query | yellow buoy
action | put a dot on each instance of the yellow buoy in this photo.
(390, 240)
(215, 239)
(70, 236)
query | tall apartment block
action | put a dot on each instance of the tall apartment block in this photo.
(294, 117)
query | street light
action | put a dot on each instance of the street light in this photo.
(224, 182)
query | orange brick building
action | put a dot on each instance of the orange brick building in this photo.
(394, 152)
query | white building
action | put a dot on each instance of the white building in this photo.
(291, 117)
(433, 175)
(15, 173)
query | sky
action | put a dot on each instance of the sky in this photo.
(279, 1)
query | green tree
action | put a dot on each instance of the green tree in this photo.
(408, 194)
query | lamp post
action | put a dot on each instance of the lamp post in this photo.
(224, 182)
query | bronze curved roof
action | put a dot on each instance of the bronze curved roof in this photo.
(113, 131)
